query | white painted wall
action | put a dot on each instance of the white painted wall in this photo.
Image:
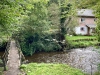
(79, 31)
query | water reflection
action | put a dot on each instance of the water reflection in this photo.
(43, 56)
(85, 59)
(1, 53)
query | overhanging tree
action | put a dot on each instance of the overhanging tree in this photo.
(35, 29)
(10, 12)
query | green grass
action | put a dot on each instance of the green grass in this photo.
(49, 69)
(1, 70)
(80, 37)
(81, 41)
(87, 43)
(97, 73)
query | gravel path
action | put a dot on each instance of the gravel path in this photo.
(13, 60)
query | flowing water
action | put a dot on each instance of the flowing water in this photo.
(85, 59)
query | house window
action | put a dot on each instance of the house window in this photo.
(82, 29)
(82, 19)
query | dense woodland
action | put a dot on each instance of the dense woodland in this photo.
(41, 25)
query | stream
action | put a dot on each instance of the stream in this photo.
(85, 59)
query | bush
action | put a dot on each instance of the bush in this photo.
(38, 42)
(3, 45)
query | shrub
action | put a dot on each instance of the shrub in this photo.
(38, 42)
(3, 45)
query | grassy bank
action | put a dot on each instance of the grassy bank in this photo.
(49, 69)
(1, 70)
(81, 41)
(80, 37)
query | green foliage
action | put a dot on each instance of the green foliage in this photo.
(35, 26)
(86, 3)
(99, 67)
(85, 41)
(54, 15)
(67, 11)
(3, 44)
(96, 8)
(9, 11)
(38, 42)
(1, 70)
(71, 26)
(79, 37)
(37, 17)
(53, 1)
(97, 73)
(64, 14)
(98, 32)
(50, 69)
(23, 66)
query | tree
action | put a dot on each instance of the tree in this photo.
(35, 26)
(54, 16)
(67, 11)
(10, 12)
(97, 14)
(70, 28)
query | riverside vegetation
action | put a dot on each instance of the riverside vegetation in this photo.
(81, 41)
(49, 69)
(29, 21)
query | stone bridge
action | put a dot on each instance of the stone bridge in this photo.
(12, 58)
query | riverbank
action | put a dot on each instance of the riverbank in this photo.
(85, 59)
(50, 69)
(81, 41)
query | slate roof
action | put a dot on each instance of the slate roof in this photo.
(85, 12)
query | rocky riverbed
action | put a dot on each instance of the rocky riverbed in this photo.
(85, 59)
